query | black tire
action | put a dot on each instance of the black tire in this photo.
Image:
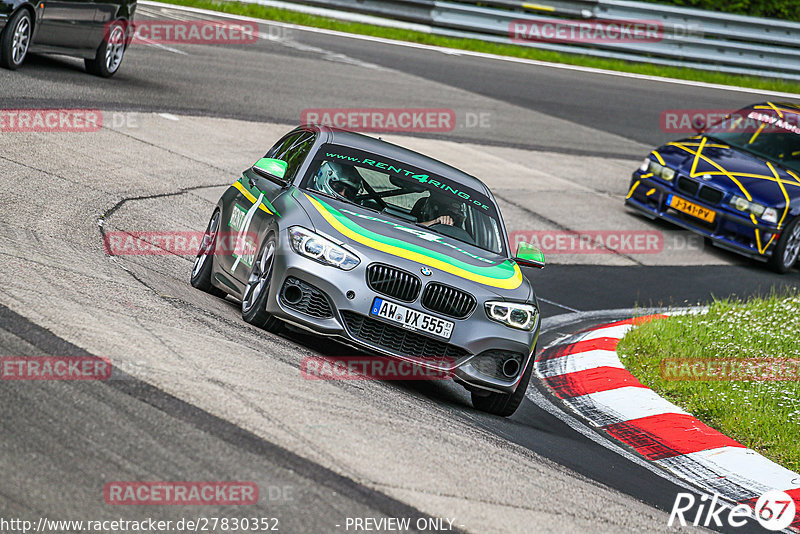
(787, 249)
(203, 267)
(16, 39)
(504, 404)
(256, 292)
(108, 57)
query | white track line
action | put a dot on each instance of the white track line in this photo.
(482, 55)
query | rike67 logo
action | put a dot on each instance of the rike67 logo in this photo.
(775, 510)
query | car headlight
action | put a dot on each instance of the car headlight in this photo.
(765, 213)
(645, 165)
(661, 171)
(318, 248)
(515, 315)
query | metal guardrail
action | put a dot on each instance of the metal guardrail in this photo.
(691, 37)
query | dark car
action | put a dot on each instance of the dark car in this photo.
(384, 248)
(737, 183)
(94, 30)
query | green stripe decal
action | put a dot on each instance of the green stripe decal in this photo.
(503, 275)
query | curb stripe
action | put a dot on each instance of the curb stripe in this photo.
(581, 362)
(622, 405)
(670, 434)
(592, 381)
(585, 372)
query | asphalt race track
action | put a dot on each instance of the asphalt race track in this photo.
(197, 394)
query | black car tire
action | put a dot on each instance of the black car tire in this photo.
(787, 249)
(19, 22)
(256, 292)
(108, 57)
(504, 404)
(204, 262)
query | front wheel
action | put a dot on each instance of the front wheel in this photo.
(256, 293)
(16, 39)
(109, 54)
(787, 249)
(504, 404)
(203, 267)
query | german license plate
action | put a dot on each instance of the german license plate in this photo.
(690, 208)
(411, 319)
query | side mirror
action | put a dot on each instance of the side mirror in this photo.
(273, 169)
(529, 256)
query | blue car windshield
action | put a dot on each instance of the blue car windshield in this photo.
(768, 131)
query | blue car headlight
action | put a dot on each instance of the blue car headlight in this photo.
(763, 212)
(513, 314)
(321, 249)
(662, 171)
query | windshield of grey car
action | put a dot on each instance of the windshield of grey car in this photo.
(394, 188)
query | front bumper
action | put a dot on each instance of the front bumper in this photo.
(466, 351)
(730, 230)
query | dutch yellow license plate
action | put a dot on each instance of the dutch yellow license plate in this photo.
(692, 209)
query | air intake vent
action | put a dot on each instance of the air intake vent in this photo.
(448, 300)
(685, 185)
(399, 340)
(710, 195)
(393, 282)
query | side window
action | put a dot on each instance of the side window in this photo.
(292, 149)
(281, 145)
(295, 154)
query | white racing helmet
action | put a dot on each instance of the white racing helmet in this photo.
(339, 180)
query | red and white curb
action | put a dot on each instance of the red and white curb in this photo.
(586, 374)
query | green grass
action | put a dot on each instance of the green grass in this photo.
(283, 15)
(763, 415)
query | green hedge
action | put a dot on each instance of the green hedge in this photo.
(774, 9)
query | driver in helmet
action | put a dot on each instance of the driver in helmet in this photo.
(338, 180)
(442, 210)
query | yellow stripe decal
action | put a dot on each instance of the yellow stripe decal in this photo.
(718, 167)
(512, 282)
(783, 190)
(778, 111)
(697, 156)
(755, 134)
(658, 157)
(249, 196)
(633, 188)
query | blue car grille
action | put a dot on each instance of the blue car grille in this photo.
(695, 189)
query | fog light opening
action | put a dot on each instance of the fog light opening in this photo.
(511, 367)
(292, 294)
